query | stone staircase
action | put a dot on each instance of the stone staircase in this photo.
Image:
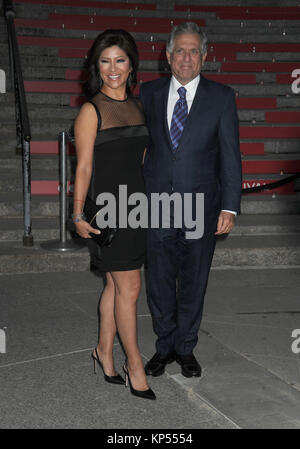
(252, 48)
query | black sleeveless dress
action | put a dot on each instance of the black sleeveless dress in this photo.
(118, 153)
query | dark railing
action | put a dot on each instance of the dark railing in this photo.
(22, 119)
(271, 185)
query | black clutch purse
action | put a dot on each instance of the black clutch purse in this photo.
(90, 211)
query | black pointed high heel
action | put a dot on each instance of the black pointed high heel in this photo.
(145, 394)
(111, 379)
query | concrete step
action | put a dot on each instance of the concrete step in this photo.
(282, 146)
(46, 183)
(279, 57)
(39, 163)
(258, 251)
(263, 164)
(45, 168)
(45, 143)
(239, 83)
(43, 99)
(40, 11)
(248, 130)
(78, 48)
(85, 22)
(262, 90)
(11, 205)
(46, 127)
(232, 252)
(253, 31)
(269, 146)
(256, 102)
(41, 112)
(266, 225)
(245, 115)
(47, 228)
(217, 33)
(31, 50)
(47, 61)
(237, 3)
(211, 72)
(261, 205)
(78, 63)
(83, 34)
(14, 258)
(46, 130)
(43, 229)
(134, 22)
(68, 45)
(13, 182)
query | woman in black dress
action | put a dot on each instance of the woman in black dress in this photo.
(111, 138)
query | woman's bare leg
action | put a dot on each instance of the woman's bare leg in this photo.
(127, 289)
(107, 327)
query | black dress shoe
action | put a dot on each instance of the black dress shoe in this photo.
(189, 365)
(156, 366)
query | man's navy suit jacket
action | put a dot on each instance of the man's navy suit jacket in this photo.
(208, 156)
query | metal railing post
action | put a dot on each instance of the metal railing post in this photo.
(63, 186)
(62, 244)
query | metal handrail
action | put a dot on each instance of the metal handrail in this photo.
(22, 118)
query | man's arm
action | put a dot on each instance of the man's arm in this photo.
(230, 157)
(230, 166)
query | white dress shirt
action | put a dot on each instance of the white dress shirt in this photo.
(191, 88)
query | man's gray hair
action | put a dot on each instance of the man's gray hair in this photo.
(187, 28)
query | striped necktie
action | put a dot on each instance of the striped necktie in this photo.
(180, 114)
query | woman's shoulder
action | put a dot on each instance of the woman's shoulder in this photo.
(88, 116)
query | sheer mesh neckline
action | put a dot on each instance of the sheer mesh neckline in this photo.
(118, 113)
(113, 99)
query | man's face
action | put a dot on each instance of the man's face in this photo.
(186, 59)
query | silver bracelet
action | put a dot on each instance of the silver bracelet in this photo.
(76, 218)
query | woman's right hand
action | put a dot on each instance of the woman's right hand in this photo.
(83, 228)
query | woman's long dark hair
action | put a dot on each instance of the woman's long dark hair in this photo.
(108, 38)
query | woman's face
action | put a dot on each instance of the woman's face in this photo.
(114, 67)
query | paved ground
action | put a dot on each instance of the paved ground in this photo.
(251, 377)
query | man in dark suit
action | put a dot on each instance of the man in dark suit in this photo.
(194, 148)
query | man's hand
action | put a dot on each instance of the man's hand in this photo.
(225, 223)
